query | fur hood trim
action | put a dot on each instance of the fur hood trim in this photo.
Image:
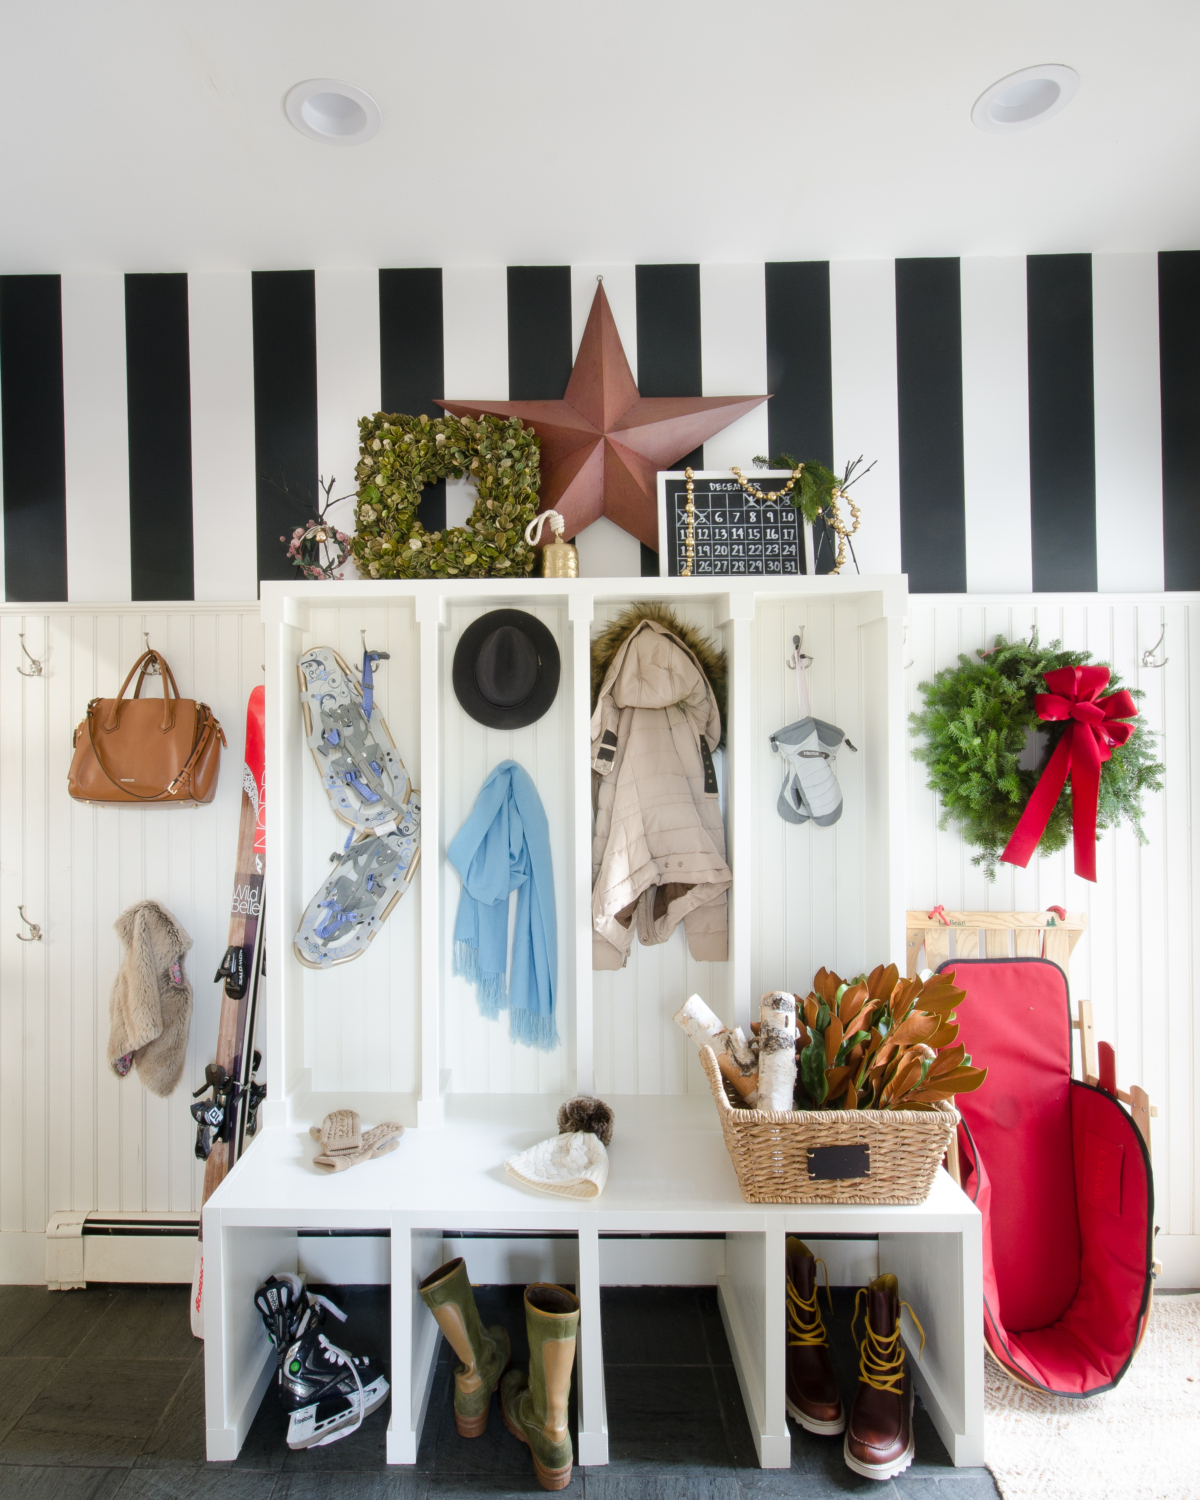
(167, 931)
(710, 658)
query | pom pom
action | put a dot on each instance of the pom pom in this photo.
(586, 1113)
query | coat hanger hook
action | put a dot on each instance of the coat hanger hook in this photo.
(797, 660)
(35, 932)
(36, 665)
(152, 667)
(1148, 656)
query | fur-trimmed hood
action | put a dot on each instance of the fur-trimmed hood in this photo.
(709, 658)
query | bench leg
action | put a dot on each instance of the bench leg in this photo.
(751, 1297)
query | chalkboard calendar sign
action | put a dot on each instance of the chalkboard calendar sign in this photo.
(734, 533)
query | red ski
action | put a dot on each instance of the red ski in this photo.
(228, 1116)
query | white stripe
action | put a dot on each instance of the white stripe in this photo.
(620, 287)
(995, 383)
(1129, 527)
(733, 353)
(96, 431)
(475, 332)
(347, 376)
(862, 318)
(221, 340)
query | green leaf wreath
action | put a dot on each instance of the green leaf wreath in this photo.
(977, 721)
(401, 455)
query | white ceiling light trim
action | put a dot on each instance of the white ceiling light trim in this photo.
(1026, 97)
(337, 113)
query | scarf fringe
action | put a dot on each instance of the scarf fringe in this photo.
(533, 1030)
(491, 988)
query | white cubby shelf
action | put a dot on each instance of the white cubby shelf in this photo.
(395, 1035)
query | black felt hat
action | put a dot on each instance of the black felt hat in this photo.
(506, 669)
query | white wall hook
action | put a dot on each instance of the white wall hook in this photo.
(35, 932)
(1148, 656)
(37, 669)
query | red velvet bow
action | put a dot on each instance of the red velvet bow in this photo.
(1085, 746)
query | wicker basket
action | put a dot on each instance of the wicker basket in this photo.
(893, 1154)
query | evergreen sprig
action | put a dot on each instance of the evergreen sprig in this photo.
(976, 723)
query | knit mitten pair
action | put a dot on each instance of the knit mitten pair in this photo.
(344, 1143)
(369, 789)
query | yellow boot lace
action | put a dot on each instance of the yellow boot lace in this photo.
(803, 1317)
(881, 1358)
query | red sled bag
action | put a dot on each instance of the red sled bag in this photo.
(1063, 1180)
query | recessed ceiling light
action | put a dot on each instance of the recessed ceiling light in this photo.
(325, 109)
(1026, 97)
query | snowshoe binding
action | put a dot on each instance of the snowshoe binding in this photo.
(369, 878)
(360, 767)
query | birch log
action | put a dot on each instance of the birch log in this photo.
(704, 1028)
(734, 1056)
(777, 1051)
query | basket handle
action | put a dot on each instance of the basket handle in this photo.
(708, 1060)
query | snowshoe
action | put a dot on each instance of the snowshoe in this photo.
(326, 1391)
(358, 895)
(360, 767)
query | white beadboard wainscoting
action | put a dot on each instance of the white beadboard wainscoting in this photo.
(73, 1137)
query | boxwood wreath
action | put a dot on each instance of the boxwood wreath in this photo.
(977, 721)
(400, 455)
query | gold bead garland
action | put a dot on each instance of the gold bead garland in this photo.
(771, 495)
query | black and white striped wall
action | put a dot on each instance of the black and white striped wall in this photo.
(1035, 420)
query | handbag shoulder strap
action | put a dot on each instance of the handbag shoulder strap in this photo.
(144, 661)
(208, 726)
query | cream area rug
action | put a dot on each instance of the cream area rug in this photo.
(1137, 1442)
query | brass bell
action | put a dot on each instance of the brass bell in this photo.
(559, 559)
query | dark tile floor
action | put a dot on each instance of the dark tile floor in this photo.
(102, 1395)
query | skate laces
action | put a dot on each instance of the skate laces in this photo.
(343, 1357)
(803, 1316)
(881, 1358)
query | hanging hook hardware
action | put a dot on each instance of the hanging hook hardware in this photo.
(1148, 656)
(797, 658)
(377, 655)
(37, 670)
(152, 665)
(35, 932)
(903, 643)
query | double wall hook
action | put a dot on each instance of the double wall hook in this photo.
(1148, 656)
(36, 666)
(35, 932)
(151, 668)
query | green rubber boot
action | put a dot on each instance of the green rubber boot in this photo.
(485, 1356)
(534, 1405)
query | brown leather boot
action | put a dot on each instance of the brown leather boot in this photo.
(811, 1393)
(879, 1437)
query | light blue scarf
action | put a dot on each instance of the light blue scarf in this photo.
(505, 846)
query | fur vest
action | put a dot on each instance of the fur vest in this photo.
(150, 1008)
(658, 852)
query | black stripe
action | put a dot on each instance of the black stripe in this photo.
(158, 384)
(668, 348)
(1179, 376)
(412, 368)
(539, 332)
(800, 373)
(933, 535)
(285, 411)
(1062, 422)
(35, 466)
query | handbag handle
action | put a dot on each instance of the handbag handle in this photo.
(168, 680)
(185, 773)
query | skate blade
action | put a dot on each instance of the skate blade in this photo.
(304, 1431)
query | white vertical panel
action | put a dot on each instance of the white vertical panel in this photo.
(995, 380)
(862, 336)
(347, 375)
(221, 345)
(1129, 525)
(733, 351)
(475, 332)
(96, 433)
(620, 287)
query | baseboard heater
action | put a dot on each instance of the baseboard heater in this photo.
(92, 1246)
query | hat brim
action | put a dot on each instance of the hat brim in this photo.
(545, 690)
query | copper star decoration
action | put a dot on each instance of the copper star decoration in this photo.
(604, 443)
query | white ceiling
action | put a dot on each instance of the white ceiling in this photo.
(150, 134)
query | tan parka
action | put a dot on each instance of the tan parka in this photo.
(659, 844)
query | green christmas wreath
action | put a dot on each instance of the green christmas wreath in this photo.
(978, 720)
(401, 455)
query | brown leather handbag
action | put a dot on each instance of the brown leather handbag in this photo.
(141, 750)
